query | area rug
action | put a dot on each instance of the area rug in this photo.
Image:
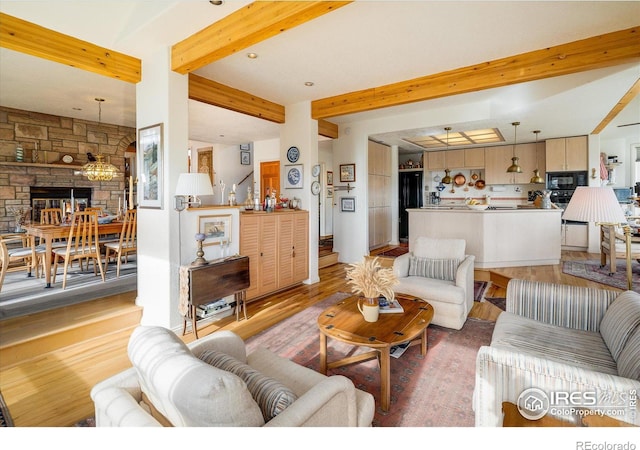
(591, 270)
(479, 289)
(500, 302)
(431, 391)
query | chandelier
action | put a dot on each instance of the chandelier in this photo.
(99, 170)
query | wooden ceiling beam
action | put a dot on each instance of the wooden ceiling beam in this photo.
(247, 26)
(327, 129)
(217, 94)
(622, 104)
(619, 47)
(26, 37)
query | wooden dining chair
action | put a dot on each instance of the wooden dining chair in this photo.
(17, 253)
(51, 216)
(82, 243)
(97, 209)
(128, 240)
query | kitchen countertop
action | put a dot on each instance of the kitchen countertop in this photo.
(492, 208)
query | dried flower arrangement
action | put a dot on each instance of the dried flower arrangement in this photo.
(371, 280)
(21, 214)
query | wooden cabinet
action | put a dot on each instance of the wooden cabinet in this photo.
(575, 236)
(565, 154)
(497, 159)
(474, 158)
(470, 158)
(277, 245)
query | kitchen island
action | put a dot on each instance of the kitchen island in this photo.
(509, 237)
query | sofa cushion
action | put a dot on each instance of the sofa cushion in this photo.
(186, 390)
(271, 396)
(629, 359)
(440, 269)
(620, 320)
(585, 349)
(431, 290)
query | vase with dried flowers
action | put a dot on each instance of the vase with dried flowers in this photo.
(371, 280)
(21, 215)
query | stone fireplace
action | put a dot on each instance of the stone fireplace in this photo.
(58, 197)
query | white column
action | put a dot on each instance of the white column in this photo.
(162, 97)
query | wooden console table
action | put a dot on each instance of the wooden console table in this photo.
(213, 281)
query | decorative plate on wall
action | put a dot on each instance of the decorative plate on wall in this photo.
(293, 154)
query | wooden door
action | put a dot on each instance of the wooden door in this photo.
(269, 177)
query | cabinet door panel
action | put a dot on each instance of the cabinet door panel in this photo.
(474, 157)
(555, 154)
(528, 161)
(249, 246)
(436, 160)
(577, 153)
(497, 159)
(285, 250)
(455, 159)
(301, 247)
(268, 255)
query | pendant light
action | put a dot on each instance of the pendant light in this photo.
(447, 177)
(99, 170)
(536, 179)
(514, 167)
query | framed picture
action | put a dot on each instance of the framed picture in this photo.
(293, 176)
(348, 204)
(150, 166)
(329, 192)
(245, 158)
(215, 228)
(347, 173)
(329, 178)
(205, 161)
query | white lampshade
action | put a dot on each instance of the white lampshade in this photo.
(194, 184)
(594, 204)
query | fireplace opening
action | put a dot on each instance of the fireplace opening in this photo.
(58, 197)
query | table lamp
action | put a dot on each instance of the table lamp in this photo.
(192, 185)
(599, 205)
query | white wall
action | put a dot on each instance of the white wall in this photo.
(325, 156)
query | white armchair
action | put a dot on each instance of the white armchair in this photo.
(439, 272)
(170, 384)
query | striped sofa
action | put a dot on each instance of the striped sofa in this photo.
(562, 340)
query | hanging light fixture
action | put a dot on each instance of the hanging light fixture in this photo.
(99, 170)
(536, 179)
(447, 177)
(514, 167)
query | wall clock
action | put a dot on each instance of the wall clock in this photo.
(293, 154)
(315, 188)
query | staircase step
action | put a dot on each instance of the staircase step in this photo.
(327, 259)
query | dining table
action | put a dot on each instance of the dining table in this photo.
(49, 233)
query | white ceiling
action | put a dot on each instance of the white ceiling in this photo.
(362, 45)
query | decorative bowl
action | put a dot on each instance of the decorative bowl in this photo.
(478, 207)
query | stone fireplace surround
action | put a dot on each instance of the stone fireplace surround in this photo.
(57, 136)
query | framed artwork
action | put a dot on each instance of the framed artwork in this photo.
(347, 173)
(205, 161)
(215, 228)
(329, 178)
(329, 192)
(150, 165)
(348, 204)
(293, 176)
(245, 158)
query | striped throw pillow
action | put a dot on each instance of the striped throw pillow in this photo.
(271, 396)
(439, 269)
(620, 321)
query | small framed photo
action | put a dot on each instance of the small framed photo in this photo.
(348, 204)
(215, 228)
(245, 158)
(329, 178)
(293, 176)
(347, 173)
(329, 192)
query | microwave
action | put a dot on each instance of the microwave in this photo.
(566, 180)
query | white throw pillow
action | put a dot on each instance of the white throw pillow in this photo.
(186, 390)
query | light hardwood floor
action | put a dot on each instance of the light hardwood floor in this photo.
(51, 387)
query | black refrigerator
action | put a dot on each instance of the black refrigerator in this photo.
(410, 197)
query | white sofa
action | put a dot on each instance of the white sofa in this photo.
(449, 288)
(562, 339)
(170, 385)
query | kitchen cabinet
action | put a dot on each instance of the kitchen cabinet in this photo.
(445, 159)
(277, 245)
(574, 236)
(474, 158)
(497, 159)
(564, 154)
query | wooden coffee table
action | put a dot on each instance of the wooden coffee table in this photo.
(344, 322)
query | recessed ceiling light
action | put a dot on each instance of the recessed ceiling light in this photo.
(308, 83)
(252, 55)
(216, 3)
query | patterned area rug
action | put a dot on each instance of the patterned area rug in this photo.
(431, 391)
(395, 251)
(591, 270)
(497, 301)
(479, 289)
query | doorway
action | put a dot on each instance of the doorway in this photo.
(269, 177)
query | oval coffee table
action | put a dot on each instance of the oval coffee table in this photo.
(344, 322)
